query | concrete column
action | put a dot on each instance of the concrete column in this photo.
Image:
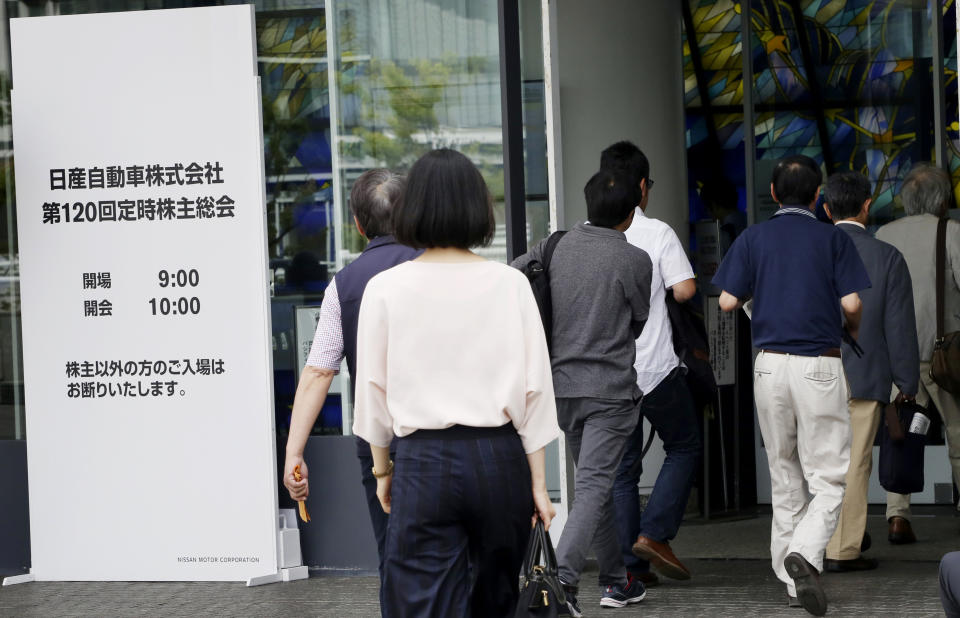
(621, 77)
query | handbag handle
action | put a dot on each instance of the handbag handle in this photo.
(941, 277)
(539, 547)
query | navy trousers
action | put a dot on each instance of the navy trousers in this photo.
(461, 504)
(669, 408)
(377, 517)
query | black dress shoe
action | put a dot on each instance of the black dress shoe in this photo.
(793, 601)
(854, 564)
(866, 542)
(807, 580)
(900, 531)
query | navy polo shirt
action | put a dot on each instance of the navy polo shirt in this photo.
(796, 268)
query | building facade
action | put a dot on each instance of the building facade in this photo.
(714, 91)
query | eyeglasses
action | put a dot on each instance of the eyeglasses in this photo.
(649, 183)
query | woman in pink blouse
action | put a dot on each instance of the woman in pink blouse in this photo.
(452, 359)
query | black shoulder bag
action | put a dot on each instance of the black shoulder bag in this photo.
(538, 274)
(541, 594)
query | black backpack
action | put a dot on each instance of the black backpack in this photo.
(537, 272)
(690, 343)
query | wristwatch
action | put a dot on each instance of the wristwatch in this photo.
(387, 472)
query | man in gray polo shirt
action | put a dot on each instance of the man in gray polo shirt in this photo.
(600, 291)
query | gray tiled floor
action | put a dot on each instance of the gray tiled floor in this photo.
(719, 588)
(904, 585)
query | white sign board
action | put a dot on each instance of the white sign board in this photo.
(140, 205)
(721, 329)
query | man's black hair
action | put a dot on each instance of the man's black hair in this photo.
(845, 194)
(626, 157)
(445, 204)
(795, 180)
(611, 196)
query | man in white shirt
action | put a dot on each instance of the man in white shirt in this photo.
(667, 402)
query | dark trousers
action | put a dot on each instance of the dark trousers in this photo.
(669, 408)
(459, 524)
(377, 516)
(950, 584)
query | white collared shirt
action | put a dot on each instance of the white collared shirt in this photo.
(852, 222)
(655, 355)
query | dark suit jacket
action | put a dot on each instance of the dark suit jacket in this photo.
(888, 329)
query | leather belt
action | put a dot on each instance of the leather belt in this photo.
(831, 352)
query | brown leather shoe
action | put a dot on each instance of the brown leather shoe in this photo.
(900, 532)
(661, 557)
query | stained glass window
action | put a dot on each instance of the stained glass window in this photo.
(713, 93)
(847, 82)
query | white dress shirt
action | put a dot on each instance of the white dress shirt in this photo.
(443, 344)
(655, 355)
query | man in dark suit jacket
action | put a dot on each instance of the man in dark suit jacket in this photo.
(890, 355)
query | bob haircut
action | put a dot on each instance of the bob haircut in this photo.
(445, 204)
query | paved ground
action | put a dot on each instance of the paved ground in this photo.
(937, 529)
(719, 588)
(904, 585)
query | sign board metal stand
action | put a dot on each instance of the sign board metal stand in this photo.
(18, 579)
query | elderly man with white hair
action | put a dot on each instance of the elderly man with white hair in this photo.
(926, 194)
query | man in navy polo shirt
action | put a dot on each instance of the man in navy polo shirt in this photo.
(803, 277)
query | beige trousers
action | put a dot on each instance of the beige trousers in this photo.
(864, 420)
(802, 409)
(898, 505)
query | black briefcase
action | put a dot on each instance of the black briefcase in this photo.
(541, 594)
(903, 434)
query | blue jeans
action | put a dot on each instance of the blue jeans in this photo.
(669, 408)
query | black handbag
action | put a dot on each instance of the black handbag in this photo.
(541, 594)
(901, 450)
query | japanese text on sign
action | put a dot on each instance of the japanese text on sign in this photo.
(118, 176)
(160, 208)
(98, 388)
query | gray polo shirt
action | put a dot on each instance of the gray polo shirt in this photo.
(916, 238)
(600, 289)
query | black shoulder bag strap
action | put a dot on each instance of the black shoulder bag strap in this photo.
(548, 250)
(941, 275)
